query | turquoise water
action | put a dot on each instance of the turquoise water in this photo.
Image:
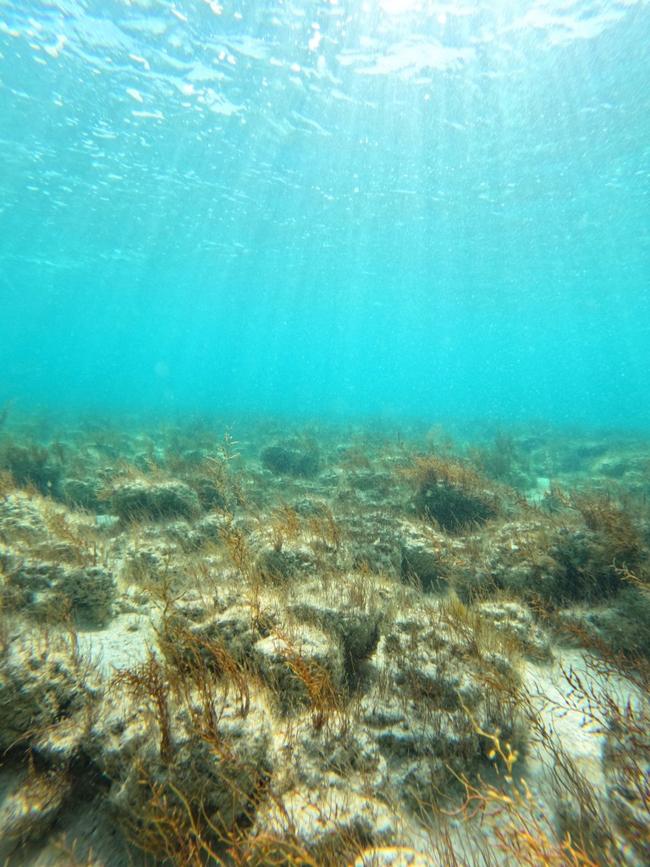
(392, 208)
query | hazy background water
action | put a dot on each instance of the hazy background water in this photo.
(372, 207)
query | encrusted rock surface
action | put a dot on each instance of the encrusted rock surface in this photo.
(31, 808)
(327, 821)
(141, 499)
(293, 458)
(514, 619)
(46, 692)
(56, 591)
(424, 554)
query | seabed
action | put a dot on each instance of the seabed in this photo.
(262, 643)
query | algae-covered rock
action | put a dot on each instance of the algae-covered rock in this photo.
(21, 518)
(338, 755)
(31, 807)
(329, 824)
(292, 458)
(584, 568)
(210, 494)
(356, 628)
(536, 559)
(622, 622)
(142, 500)
(514, 619)
(216, 760)
(44, 695)
(59, 591)
(81, 494)
(373, 541)
(288, 561)
(31, 465)
(232, 632)
(304, 670)
(452, 495)
(423, 557)
(87, 593)
(429, 693)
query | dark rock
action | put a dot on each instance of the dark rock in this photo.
(138, 499)
(291, 459)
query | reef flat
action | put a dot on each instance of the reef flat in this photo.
(264, 644)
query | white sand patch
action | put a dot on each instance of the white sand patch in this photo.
(566, 713)
(573, 730)
(123, 644)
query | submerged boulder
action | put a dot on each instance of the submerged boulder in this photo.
(327, 823)
(31, 465)
(428, 697)
(424, 557)
(452, 495)
(292, 458)
(58, 591)
(81, 494)
(513, 619)
(140, 499)
(305, 671)
(31, 807)
(163, 751)
(355, 628)
(45, 695)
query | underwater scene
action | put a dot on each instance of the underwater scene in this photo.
(324, 433)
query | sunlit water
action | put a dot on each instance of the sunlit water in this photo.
(353, 207)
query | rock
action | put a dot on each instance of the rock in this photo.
(338, 755)
(232, 629)
(537, 559)
(327, 823)
(80, 494)
(356, 629)
(613, 466)
(512, 618)
(289, 561)
(87, 593)
(45, 696)
(216, 760)
(394, 856)
(56, 591)
(29, 811)
(453, 495)
(375, 488)
(373, 541)
(623, 623)
(430, 674)
(211, 495)
(31, 465)
(141, 500)
(21, 518)
(306, 670)
(148, 562)
(421, 557)
(292, 458)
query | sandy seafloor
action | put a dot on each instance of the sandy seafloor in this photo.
(270, 643)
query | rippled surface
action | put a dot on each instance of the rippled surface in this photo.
(468, 165)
